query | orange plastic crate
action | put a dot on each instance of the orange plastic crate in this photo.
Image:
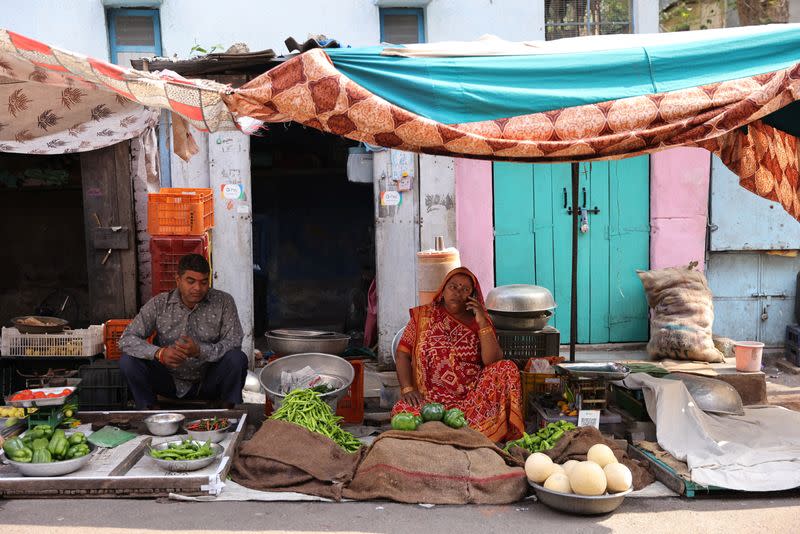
(180, 211)
(111, 333)
(351, 406)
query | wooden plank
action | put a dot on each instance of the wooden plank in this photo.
(659, 470)
(561, 246)
(597, 196)
(629, 231)
(131, 459)
(116, 238)
(514, 239)
(108, 201)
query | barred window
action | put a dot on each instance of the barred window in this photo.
(575, 18)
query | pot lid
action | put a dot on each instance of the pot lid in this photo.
(520, 298)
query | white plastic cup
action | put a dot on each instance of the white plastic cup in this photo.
(748, 356)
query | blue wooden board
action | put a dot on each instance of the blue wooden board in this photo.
(533, 242)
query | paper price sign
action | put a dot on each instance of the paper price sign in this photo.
(589, 418)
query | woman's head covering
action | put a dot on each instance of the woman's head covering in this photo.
(460, 270)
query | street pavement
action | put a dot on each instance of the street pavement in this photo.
(730, 514)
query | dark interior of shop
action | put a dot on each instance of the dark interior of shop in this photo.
(43, 248)
(313, 232)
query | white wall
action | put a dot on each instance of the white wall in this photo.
(467, 20)
(76, 25)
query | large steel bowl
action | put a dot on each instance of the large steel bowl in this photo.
(513, 321)
(186, 465)
(305, 341)
(579, 504)
(164, 424)
(520, 299)
(325, 364)
(53, 469)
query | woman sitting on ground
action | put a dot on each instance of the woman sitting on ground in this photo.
(449, 354)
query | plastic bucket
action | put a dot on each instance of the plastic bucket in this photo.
(748, 356)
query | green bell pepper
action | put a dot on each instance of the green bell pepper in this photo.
(454, 418)
(58, 445)
(41, 456)
(432, 412)
(39, 443)
(76, 451)
(16, 450)
(405, 421)
(77, 438)
(40, 431)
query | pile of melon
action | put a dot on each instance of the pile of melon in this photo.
(600, 473)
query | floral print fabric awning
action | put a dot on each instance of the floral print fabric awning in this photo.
(724, 117)
(53, 101)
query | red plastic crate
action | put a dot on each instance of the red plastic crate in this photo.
(167, 251)
(180, 211)
(112, 331)
(351, 406)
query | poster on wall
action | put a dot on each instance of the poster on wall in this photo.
(403, 169)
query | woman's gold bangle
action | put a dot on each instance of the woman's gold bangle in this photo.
(486, 330)
(407, 389)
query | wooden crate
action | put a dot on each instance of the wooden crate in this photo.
(122, 472)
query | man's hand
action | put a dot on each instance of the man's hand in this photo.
(187, 346)
(172, 357)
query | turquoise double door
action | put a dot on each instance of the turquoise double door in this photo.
(533, 241)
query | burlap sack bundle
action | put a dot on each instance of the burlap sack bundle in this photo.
(682, 314)
(438, 465)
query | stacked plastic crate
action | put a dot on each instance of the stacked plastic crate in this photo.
(179, 221)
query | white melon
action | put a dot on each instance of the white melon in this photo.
(618, 476)
(587, 478)
(538, 467)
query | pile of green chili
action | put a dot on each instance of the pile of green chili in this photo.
(304, 407)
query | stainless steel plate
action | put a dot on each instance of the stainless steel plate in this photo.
(711, 395)
(599, 370)
(186, 465)
(53, 469)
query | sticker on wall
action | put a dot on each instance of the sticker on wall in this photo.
(243, 209)
(402, 169)
(232, 191)
(391, 198)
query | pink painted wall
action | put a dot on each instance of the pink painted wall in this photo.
(679, 180)
(474, 219)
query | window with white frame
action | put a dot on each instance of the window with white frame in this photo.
(575, 18)
(402, 25)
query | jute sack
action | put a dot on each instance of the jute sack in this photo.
(682, 314)
(436, 464)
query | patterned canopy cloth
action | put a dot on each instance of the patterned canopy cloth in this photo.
(726, 111)
(53, 101)
(447, 368)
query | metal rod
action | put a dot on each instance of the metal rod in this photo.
(573, 305)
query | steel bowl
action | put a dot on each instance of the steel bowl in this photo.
(214, 436)
(520, 299)
(286, 342)
(52, 325)
(164, 424)
(186, 465)
(53, 469)
(579, 504)
(513, 321)
(326, 365)
(710, 394)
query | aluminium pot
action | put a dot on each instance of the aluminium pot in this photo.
(513, 321)
(523, 300)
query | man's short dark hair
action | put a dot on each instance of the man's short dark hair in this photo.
(193, 262)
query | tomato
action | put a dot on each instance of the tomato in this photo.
(66, 392)
(39, 395)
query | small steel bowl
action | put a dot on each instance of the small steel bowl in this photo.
(53, 469)
(214, 436)
(186, 465)
(580, 504)
(164, 424)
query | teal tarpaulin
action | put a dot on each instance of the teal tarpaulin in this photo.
(454, 90)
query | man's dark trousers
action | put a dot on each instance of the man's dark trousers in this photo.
(223, 381)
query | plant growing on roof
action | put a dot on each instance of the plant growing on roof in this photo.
(199, 50)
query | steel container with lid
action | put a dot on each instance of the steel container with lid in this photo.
(520, 306)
